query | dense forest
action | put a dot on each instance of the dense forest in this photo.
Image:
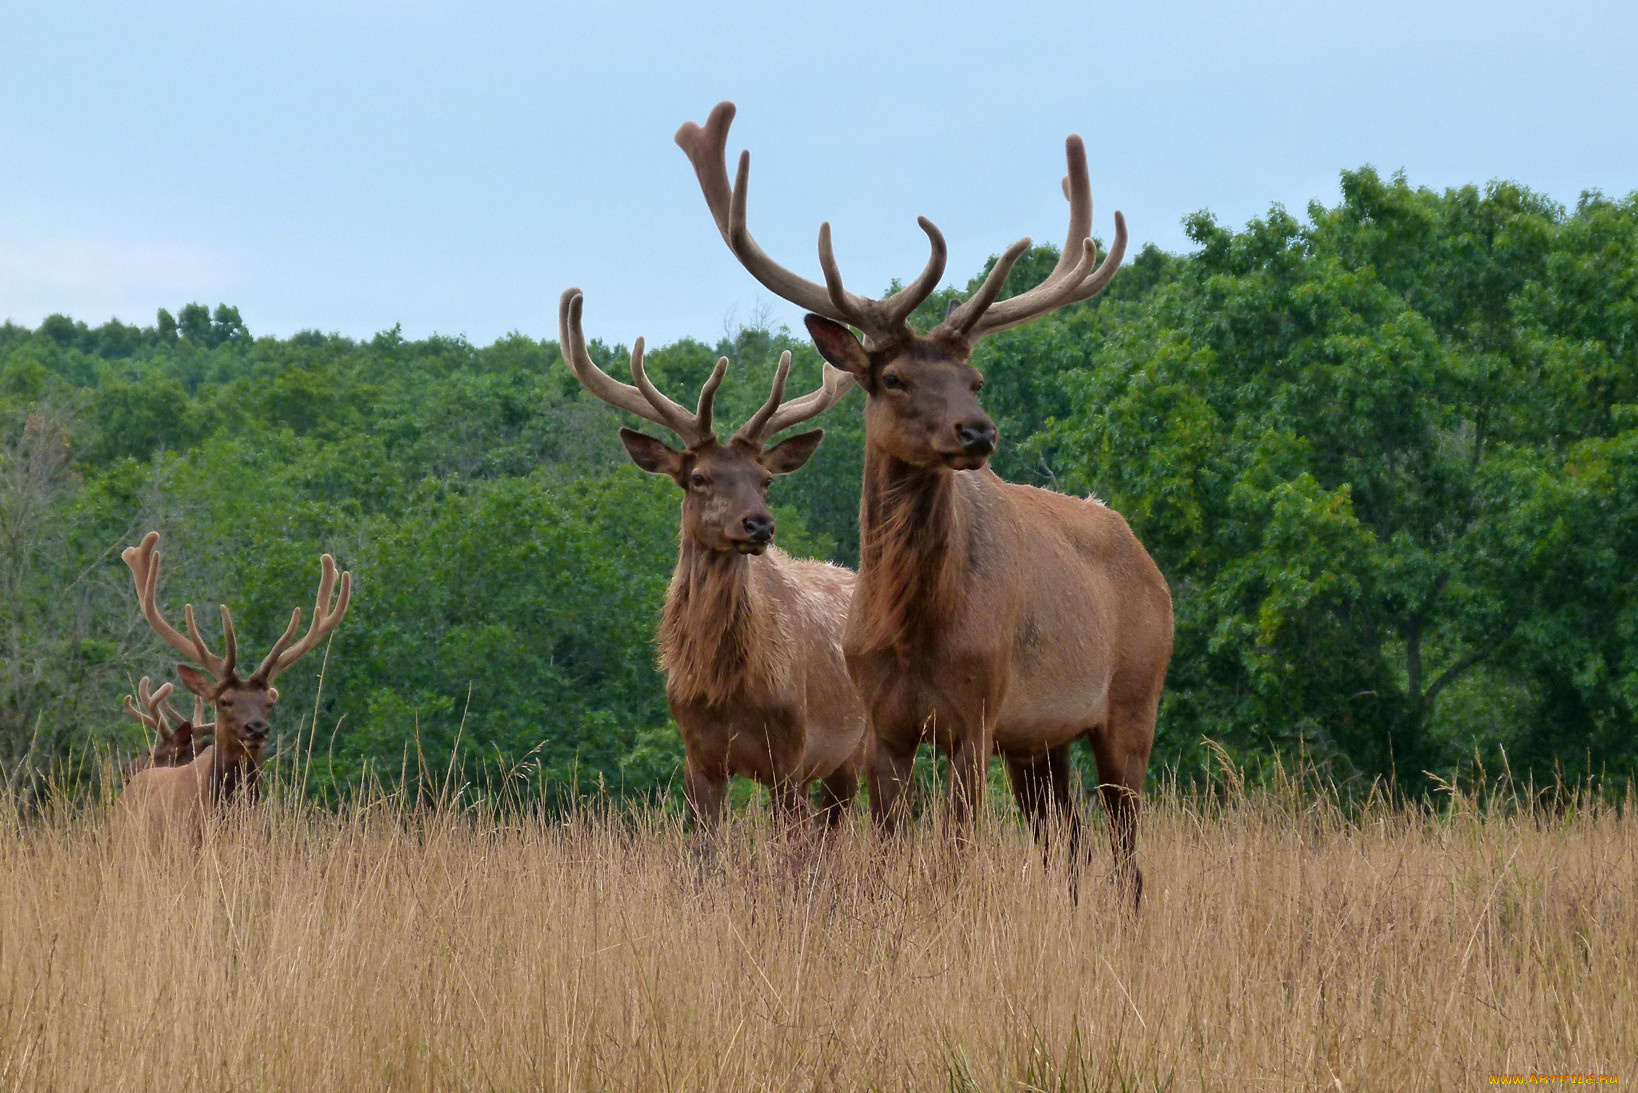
(1386, 455)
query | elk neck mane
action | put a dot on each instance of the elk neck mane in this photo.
(719, 637)
(912, 554)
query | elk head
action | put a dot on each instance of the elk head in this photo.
(172, 747)
(243, 705)
(725, 486)
(923, 390)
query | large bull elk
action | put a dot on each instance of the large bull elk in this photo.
(987, 616)
(242, 705)
(750, 638)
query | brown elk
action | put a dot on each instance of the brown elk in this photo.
(987, 616)
(172, 747)
(750, 638)
(242, 705)
(169, 789)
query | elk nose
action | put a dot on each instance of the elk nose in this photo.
(256, 730)
(976, 437)
(760, 528)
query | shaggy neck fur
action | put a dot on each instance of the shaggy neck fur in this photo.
(912, 553)
(231, 777)
(715, 627)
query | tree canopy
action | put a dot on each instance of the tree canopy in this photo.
(1386, 455)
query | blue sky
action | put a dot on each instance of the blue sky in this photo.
(453, 166)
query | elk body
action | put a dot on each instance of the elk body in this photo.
(751, 638)
(230, 769)
(987, 616)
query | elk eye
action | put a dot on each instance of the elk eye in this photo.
(699, 480)
(891, 381)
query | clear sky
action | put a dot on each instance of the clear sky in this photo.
(454, 166)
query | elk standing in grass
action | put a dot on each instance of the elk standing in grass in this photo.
(233, 766)
(987, 616)
(751, 638)
(171, 747)
(166, 794)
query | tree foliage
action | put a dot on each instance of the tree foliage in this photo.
(1386, 454)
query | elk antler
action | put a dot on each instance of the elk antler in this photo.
(645, 400)
(694, 429)
(882, 321)
(144, 565)
(153, 708)
(1073, 279)
(200, 725)
(776, 416)
(326, 617)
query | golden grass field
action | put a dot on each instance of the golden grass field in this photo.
(1282, 944)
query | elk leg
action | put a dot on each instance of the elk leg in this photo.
(707, 793)
(969, 774)
(889, 777)
(1030, 787)
(1123, 760)
(790, 804)
(1060, 772)
(836, 792)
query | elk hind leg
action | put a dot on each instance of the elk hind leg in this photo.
(1121, 749)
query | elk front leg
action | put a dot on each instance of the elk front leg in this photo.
(889, 771)
(706, 788)
(836, 793)
(790, 805)
(969, 775)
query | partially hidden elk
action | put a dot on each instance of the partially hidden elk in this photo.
(988, 617)
(168, 789)
(230, 770)
(750, 638)
(177, 740)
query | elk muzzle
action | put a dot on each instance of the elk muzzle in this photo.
(759, 534)
(976, 437)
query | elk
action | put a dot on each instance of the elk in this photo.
(750, 638)
(987, 616)
(169, 789)
(171, 747)
(242, 705)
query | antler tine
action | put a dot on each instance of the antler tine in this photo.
(834, 386)
(622, 396)
(130, 707)
(153, 706)
(155, 701)
(897, 307)
(753, 431)
(692, 428)
(325, 619)
(1073, 278)
(143, 561)
(962, 317)
(881, 320)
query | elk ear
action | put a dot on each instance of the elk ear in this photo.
(837, 345)
(195, 681)
(183, 735)
(650, 454)
(791, 453)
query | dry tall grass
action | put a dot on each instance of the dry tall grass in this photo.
(1282, 945)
